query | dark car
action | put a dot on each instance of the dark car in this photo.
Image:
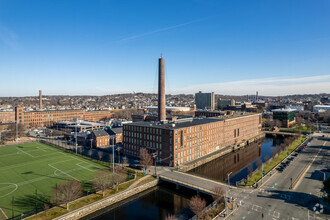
(280, 168)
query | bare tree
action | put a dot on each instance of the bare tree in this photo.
(218, 193)
(66, 192)
(90, 153)
(250, 169)
(145, 158)
(100, 155)
(273, 151)
(170, 217)
(266, 158)
(120, 176)
(11, 134)
(197, 205)
(259, 163)
(102, 180)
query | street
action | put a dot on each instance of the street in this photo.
(275, 200)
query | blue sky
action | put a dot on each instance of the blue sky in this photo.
(79, 47)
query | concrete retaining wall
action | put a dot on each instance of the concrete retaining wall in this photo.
(103, 203)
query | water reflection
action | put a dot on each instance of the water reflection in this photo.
(155, 203)
(237, 162)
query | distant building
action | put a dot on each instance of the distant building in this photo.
(321, 108)
(205, 100)
(207, 114)
(285, 116)
(151, 117)
(169, 109)
(273, 106)
(48, 117)
(100, 138)
(224, 103)
(117, 133)
(298, 108)
(7, 116)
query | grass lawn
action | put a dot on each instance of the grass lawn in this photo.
(27, 170)
(273, 162)
(296, 128)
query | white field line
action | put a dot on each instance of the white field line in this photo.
(63, 172)
(24, 152)
(8, 187)
(78, 164)
(4, 213)
(31, 162)
(41, 148)
(6, 155)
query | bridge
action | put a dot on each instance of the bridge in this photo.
(281, 133)
(197, 183)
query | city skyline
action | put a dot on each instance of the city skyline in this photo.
(231, 48)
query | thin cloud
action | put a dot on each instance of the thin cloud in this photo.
(266, 86)
(158, 30)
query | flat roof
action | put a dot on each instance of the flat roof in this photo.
(284, 110)
(177, 125)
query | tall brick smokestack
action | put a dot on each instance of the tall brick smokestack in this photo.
(40, 99)
(161, 90)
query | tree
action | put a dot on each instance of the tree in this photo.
(170, 217)
(66, 192)
(102, 181)
(120, 176)
(100, 154)
(259, 163)
(250, 170)
(266, 158)
(11, 134)
(273, 151)
(218, 193)
(197, 205)
(145, 158)
(90, 153)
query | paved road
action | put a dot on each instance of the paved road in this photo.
(274, 200)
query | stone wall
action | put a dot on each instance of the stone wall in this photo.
(103, 203)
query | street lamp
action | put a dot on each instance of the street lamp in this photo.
(228, 177)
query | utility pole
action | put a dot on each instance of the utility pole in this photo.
(113, 158)
(16, 132)
(76, 135)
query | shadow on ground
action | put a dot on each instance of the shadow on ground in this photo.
(299, 199)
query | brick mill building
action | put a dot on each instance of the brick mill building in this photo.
(48, 117)
(183, 140)
(188, 139)
(100, 138)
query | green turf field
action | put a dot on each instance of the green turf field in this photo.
(25, 168)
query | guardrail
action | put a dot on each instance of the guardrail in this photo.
(189, 185)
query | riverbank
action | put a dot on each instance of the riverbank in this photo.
(93, 202)
(272, 163)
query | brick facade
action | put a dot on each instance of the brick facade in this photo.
(183, 142)
(47, 118)
(6, 117)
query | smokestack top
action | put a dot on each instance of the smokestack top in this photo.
(161, 89)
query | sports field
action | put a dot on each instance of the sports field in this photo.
(25, 168)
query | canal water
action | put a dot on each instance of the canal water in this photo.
(155, 203)
(237, 163)
(160, 201)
